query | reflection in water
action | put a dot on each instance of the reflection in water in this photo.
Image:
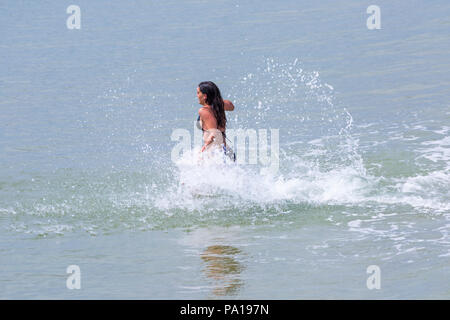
(223, 268)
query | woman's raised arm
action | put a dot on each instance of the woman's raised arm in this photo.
(228, 105)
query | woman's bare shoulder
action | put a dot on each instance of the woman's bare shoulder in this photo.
(204, 112)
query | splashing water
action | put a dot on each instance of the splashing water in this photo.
(320, 167)
(319, 161)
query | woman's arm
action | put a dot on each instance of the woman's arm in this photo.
(228, 105)
(209, 123)
(208, 141)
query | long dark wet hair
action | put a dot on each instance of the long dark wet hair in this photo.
(214, 99)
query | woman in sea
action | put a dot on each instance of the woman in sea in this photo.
(212, 119)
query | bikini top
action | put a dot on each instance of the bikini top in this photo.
(200, 126)
(199, 123)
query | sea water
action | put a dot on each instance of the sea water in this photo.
(87, 176)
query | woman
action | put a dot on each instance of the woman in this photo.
(212, 120)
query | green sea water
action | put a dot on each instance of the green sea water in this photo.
(87, 177)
